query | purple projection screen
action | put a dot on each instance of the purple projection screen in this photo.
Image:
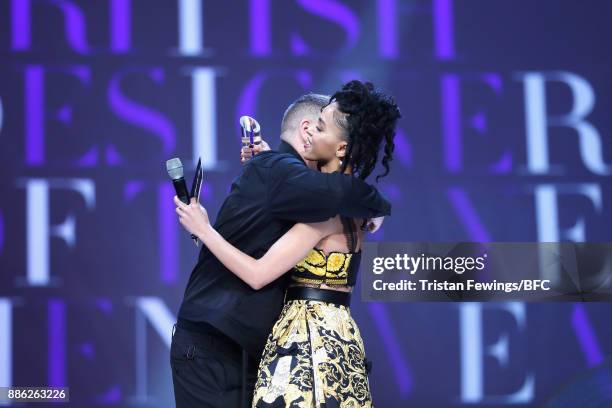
(505, 136)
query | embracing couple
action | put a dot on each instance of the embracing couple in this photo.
(265, 319)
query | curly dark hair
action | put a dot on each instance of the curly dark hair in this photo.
(370, 119)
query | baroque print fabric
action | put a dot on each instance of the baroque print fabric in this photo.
(314, 357)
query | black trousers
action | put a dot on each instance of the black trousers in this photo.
(208, 371)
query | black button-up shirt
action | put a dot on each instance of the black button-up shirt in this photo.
(274, 191)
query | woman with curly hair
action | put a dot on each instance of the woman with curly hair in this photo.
(314, 356)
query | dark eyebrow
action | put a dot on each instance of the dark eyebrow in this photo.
(321, 122)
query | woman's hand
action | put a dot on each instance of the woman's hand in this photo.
(247, 153)
(193, 217)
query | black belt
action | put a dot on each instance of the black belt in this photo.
(322, 295)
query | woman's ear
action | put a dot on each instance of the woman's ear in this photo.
(341, 150)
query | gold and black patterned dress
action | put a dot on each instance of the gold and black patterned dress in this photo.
(315, 355)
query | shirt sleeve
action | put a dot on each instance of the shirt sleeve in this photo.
(300, 194)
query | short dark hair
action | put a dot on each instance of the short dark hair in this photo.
(310, 103)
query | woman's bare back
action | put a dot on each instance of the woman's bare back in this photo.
(337, 242)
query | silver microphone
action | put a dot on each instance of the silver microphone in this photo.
(175, 171)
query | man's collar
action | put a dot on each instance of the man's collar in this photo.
(285, 147)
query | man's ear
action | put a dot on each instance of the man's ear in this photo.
(305, 124)
(304, 130)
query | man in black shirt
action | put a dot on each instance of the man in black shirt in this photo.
(222, 323)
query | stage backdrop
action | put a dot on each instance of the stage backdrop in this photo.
(505, 136)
